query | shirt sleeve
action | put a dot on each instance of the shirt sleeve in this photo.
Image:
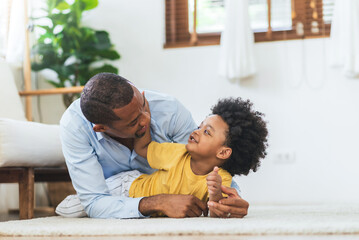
(229, 181)
(226, 178)
(88, 179)
(235, 185)
(164, 155)
(183, 124)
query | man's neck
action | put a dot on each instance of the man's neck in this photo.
(128, 142)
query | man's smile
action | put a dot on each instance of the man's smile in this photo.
(142, 130)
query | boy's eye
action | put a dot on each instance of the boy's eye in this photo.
(206, 132)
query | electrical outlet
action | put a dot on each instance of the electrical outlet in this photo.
(284, 157)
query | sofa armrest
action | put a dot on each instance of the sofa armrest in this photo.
(29, 144)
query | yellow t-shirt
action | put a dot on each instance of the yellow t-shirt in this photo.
(174, 175)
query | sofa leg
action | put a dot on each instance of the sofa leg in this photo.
(26, 194)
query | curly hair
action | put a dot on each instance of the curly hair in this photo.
(247, 135)
(103, 93)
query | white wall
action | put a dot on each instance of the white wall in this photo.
(311, 109)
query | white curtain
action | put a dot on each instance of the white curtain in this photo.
(344, 37)
(236, 51)
(16, 34)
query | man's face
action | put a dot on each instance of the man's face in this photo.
(135, 118)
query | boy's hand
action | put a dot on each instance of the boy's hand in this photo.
(214, 182)
(233, 206)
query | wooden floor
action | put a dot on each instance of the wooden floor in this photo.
(38, 212)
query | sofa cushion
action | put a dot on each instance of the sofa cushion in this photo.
(30, 144)
(10, 103)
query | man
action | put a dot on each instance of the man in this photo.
(97, 134)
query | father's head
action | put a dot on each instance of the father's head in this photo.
(115, 106)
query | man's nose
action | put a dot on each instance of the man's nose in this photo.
(144, 119)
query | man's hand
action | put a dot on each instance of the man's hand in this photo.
(233, 206)
(172, 205)
(214, 182)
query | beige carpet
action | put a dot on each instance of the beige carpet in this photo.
(261, 220)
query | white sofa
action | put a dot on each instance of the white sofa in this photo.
(29, 151)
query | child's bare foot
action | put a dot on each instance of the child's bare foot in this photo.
(214, 182)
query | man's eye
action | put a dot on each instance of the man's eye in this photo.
(206, 132)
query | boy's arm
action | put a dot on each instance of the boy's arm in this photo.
(141, 144)
(214, 182)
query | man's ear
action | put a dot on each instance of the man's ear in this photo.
(100, 128)
(224, 153)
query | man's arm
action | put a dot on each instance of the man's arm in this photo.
(88, 178)
(172, 205)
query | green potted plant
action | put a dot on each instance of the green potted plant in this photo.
(75, 52)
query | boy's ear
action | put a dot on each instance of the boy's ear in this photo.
(224, 153)
(99, 128)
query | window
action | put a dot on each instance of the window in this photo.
(287, 19)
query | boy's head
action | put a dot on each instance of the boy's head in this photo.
(234, 137)
(246, 136)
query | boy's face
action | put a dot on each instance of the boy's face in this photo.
(208, 140)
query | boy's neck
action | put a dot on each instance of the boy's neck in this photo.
(200, 166)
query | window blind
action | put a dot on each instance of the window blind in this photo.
(289, 19)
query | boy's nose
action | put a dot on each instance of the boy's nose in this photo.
(197, 131)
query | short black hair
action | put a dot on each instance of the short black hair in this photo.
(103, 93)
(247, 135)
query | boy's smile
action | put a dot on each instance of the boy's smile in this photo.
(192, 139)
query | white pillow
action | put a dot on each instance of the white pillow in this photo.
(10, 103)
(29, 144)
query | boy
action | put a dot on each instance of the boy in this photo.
(230, 141)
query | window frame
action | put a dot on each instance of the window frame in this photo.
(178, 35)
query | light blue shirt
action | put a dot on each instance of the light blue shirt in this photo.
(92, 157)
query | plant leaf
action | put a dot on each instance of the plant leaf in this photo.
(90, 4)
(103, 40)
(105, 68)
(109, 54)
(62, 6)
(56, 84)
(76, 52)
